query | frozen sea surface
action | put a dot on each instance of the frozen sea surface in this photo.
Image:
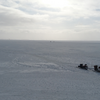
(47, 70)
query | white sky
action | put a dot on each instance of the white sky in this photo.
(50, 19)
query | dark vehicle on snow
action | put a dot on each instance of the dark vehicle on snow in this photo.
(83, 66)
(96, 68)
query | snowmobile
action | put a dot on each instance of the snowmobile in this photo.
(96, 68)
(83, 66)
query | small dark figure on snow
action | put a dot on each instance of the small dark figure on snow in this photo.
(95, 67)
(81, 66)
(85, 66)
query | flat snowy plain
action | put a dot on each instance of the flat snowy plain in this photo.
(47, 70)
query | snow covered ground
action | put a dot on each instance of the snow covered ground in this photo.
(47, 70)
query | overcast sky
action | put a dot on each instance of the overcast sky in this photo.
(50, 19)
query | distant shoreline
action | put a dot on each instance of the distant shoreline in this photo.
(81, 41)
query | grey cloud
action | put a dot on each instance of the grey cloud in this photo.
(35, 8)
(97, 9)
(12, 17)
(9, 3)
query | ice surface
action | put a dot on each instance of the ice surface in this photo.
(43, 70)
